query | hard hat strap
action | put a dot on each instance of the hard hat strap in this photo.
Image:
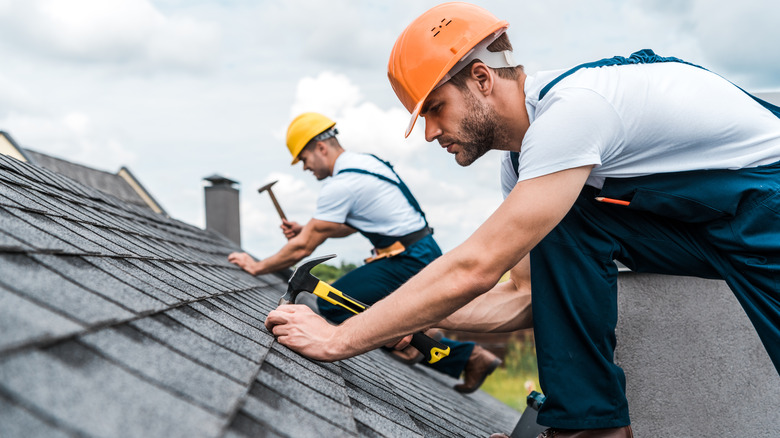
(501, 59)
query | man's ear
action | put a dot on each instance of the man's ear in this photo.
(322, 148)
(483, 78)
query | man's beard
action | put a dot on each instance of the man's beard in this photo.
(480, 131)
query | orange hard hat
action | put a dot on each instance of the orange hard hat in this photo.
(432, 45)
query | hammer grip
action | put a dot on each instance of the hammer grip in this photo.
(432, 349)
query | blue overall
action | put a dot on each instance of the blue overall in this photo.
(374, 281)
(720, 224)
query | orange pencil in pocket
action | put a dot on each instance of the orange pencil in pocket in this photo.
(612, 201)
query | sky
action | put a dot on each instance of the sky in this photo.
(178, 90)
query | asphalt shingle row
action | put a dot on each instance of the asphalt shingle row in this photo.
(89, 292)
(179, 361)
(134, 223)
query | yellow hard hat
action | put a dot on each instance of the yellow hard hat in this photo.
(445, 37)
(304, 128)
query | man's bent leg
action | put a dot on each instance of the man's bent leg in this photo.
(575, 314)
(574, 283)
(750, 244)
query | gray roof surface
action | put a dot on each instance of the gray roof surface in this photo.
(107, 182)
(117, 321)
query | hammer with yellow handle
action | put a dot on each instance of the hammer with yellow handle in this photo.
(302, 280)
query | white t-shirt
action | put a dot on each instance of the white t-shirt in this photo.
(633, 120)
(365, 201)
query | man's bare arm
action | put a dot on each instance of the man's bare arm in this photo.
(296, 249)
(505, 308)
(531, 211)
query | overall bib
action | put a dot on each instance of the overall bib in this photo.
(376, 280)
(719, 224)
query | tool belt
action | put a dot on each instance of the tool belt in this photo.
(399, 245)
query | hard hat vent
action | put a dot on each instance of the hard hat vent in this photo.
(441, 26)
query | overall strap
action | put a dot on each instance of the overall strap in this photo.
(645, 56)
(400, 184)
(515, 157)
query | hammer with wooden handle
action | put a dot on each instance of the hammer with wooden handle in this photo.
(267, 187)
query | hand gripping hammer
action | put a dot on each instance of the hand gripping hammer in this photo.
(303, 281)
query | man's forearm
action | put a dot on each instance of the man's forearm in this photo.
(505, 308)
(289, 255)
(302, 245)
(441, 288)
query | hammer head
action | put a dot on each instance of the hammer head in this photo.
(302, 279)
(267, 186)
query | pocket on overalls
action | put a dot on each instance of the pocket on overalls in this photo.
(674, 206)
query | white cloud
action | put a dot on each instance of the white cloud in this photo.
(13, 95)
(328, 93)
(72, 137)
(741, 39)
(78, 123)
(130, 32)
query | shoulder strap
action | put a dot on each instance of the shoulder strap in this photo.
(515, 158)
(645, 56)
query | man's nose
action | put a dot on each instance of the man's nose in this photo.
(432, 130)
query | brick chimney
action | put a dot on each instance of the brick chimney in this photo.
(222, 207)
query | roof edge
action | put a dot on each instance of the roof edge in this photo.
(15, 150)
(136, 185)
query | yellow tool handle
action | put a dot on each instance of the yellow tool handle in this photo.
(334, 296)
(432, 349)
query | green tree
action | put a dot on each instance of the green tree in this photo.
(330, 273)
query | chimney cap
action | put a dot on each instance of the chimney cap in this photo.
(219, 180)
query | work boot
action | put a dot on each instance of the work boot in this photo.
(480, 365)
(617, 432)
(435, 334)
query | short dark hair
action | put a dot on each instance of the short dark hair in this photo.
(331, 142)
(499, 45)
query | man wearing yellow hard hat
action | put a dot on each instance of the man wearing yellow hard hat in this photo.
(648, 160)
(362, 193)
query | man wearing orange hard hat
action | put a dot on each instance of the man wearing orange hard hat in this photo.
(362, 193)
(648, 160)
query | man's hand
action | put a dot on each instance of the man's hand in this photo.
(290, 228)
(400, 344)
(243, 260)
(297, 327)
